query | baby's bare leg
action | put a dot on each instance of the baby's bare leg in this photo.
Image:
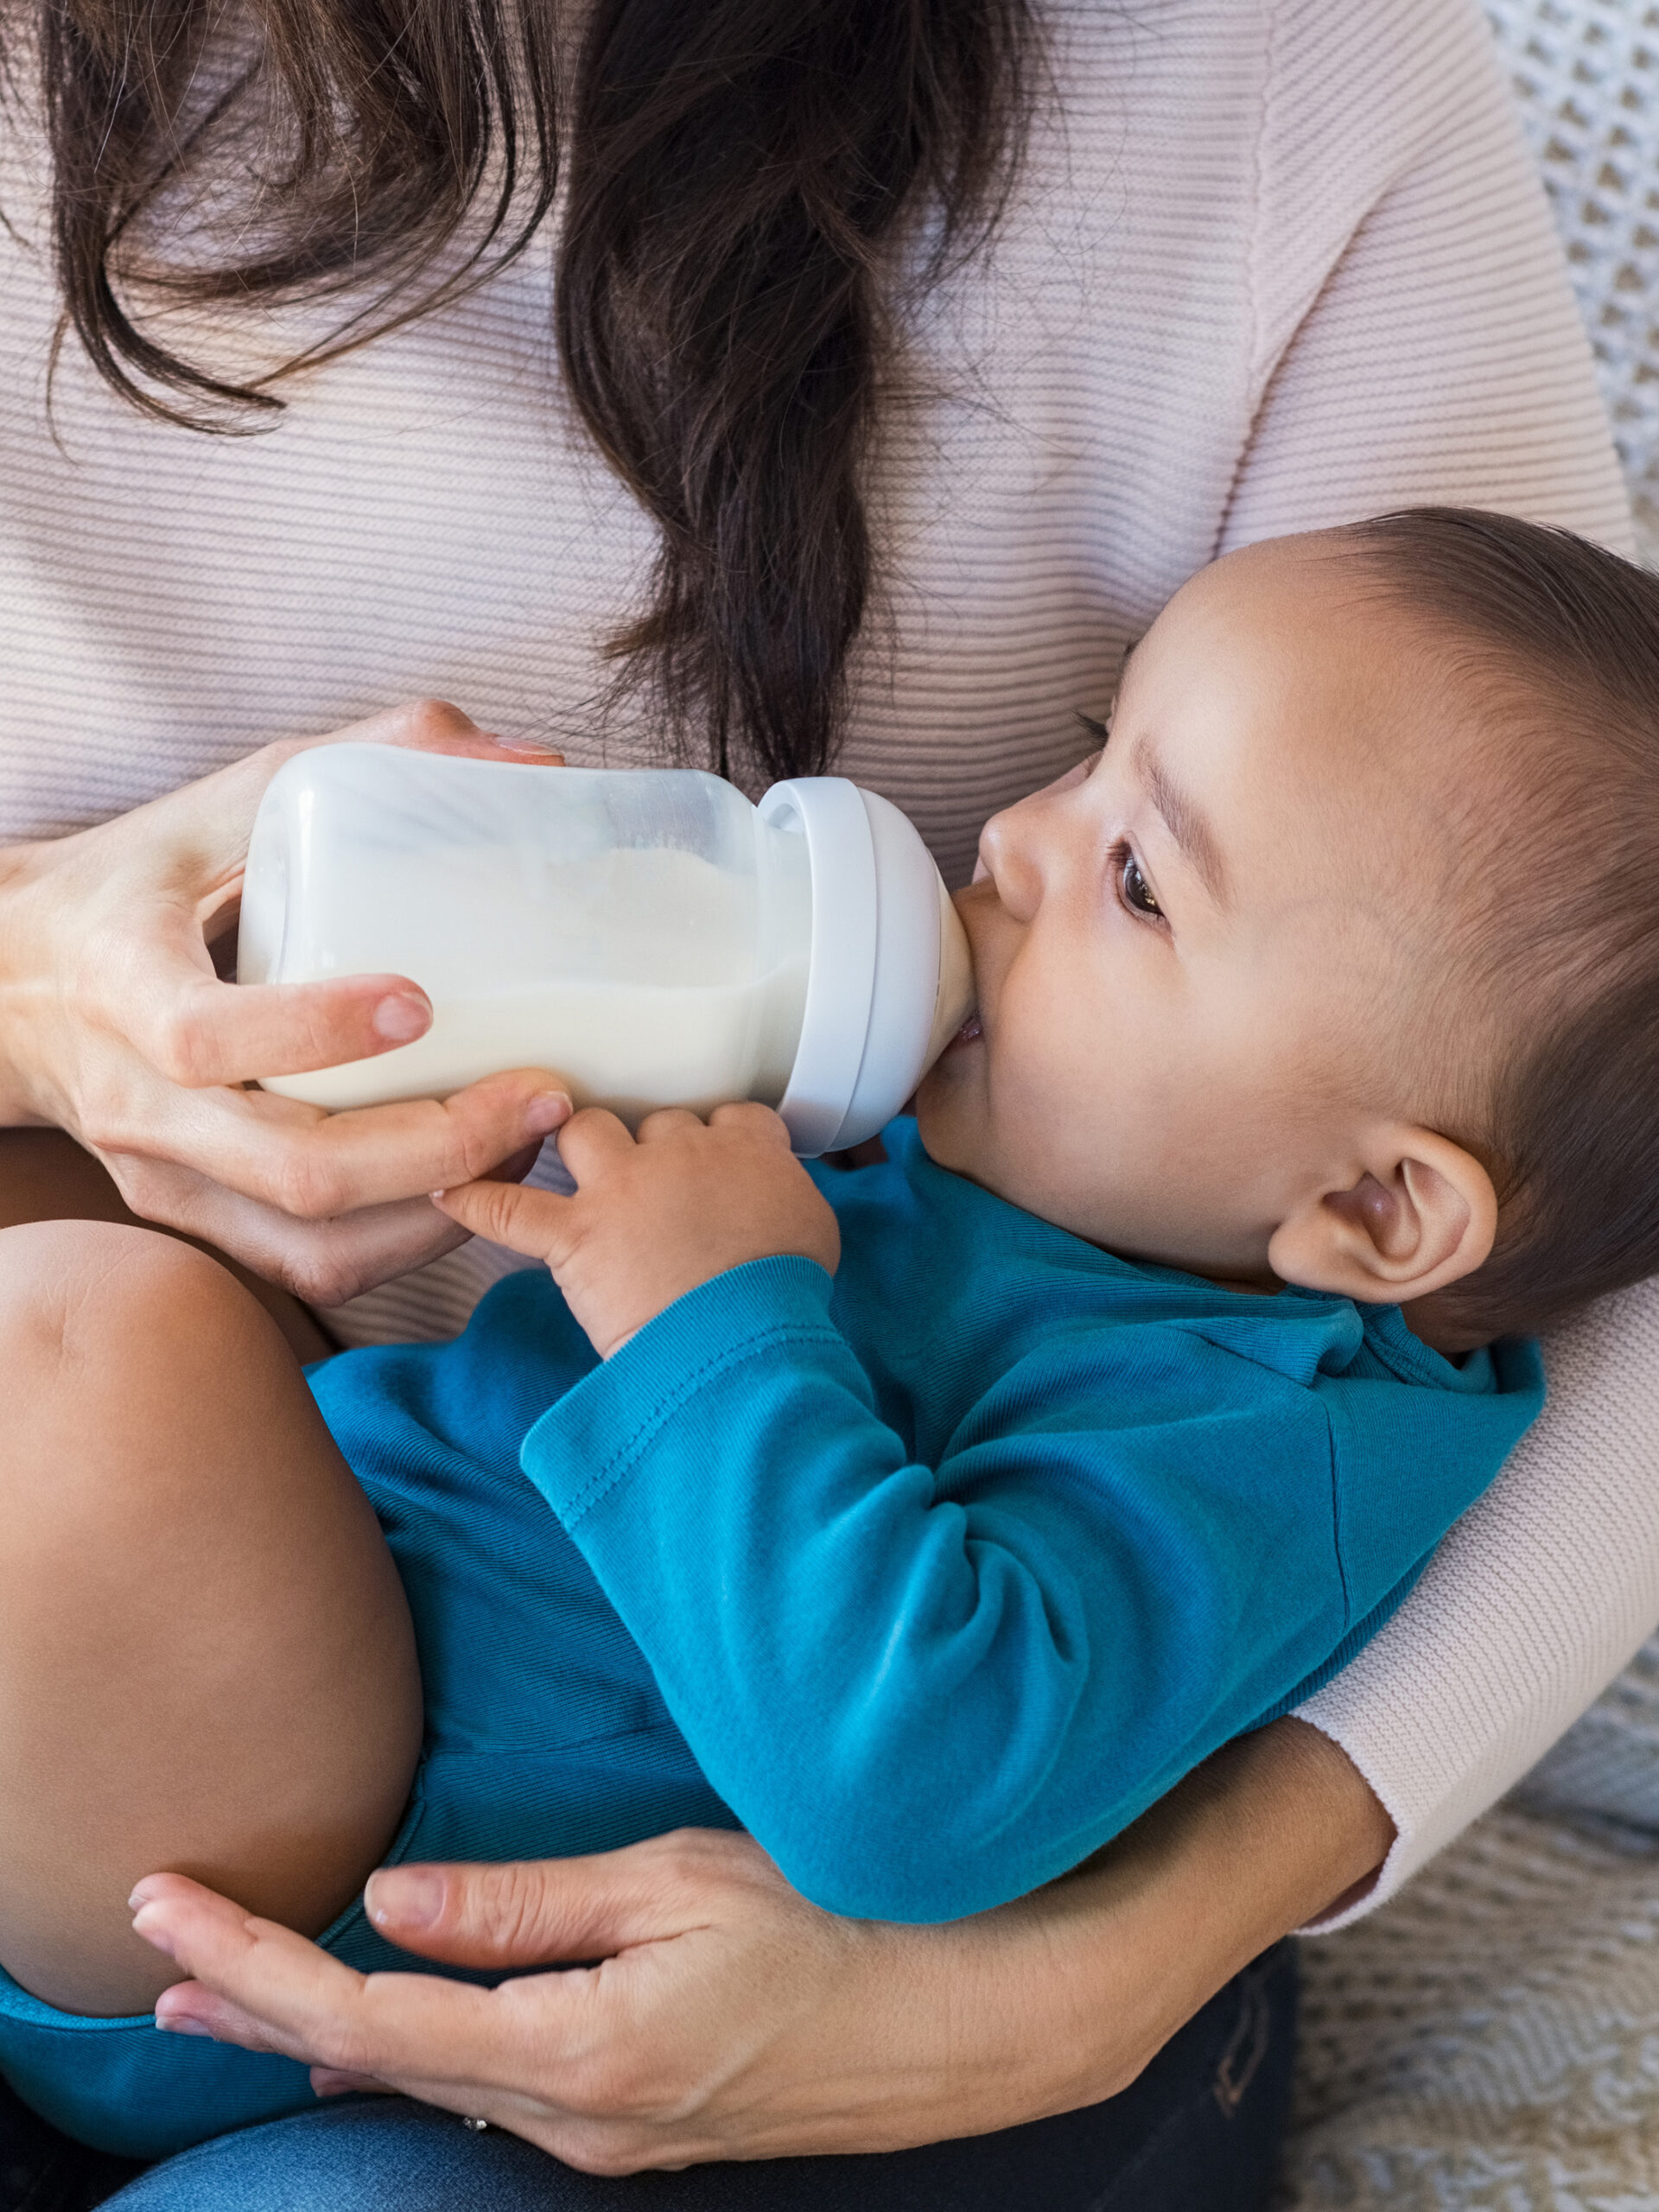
(206, 1664)
(45, 1176)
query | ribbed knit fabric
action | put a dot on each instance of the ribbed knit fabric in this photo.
(1272, 264)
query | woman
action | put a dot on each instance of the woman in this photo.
(909, 356)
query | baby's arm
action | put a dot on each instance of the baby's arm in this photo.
(206, 1660)
(656, 1216)
(924, 1689)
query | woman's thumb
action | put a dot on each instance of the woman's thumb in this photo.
(534, 1912)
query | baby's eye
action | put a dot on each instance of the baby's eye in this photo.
(1137, 892)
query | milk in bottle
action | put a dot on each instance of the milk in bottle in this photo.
(649, 935)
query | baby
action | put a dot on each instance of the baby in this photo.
(929, 1518)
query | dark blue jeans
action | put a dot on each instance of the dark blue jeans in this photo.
(1198, 2132)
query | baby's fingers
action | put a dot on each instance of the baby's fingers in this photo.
(760, 1122)
(532, 1222)
(592, 1138)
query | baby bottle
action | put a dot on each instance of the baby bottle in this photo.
(649, 934)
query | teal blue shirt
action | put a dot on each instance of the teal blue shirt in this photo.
(934, 1576)
(947, 1568)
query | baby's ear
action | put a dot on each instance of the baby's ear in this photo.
(1418, 1213)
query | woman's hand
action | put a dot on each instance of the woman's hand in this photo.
(730, 2019)
(655, 1216)
(115, 1026)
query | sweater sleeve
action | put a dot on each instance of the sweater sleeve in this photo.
(1529, 1607)
(927, 1690)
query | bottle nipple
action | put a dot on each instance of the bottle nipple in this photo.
(954, 1001)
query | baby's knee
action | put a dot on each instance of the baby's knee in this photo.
(105, 1329)
(76, 1293)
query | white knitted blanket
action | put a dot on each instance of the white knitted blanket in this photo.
(1489, 2041)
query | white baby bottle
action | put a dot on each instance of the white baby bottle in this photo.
(648, 933)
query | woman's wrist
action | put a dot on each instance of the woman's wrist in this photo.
(1271, 1834)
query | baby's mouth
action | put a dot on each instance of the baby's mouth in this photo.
(970, 1033)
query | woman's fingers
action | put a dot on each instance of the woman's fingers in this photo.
(254, 1983)
(321, 1263)
(326, 1205)
(153, 984)
(541, 1911)
(160, 983)
(324, 1262)
(311, 1165)
(434, 726)
(261, 1985)
(125, 1037)
(196, 1031)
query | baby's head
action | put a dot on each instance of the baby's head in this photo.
(1340, 964)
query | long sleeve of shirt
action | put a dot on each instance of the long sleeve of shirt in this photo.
(933, 1652)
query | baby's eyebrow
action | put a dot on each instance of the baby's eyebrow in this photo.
(1185, 821)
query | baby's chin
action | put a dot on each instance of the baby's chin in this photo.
(951, 1120)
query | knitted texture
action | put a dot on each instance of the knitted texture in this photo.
(1489, 2042)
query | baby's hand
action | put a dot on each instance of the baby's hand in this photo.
(653, 1218)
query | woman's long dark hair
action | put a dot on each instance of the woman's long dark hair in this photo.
(737, 171)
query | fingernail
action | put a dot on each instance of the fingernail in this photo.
(411, 1896)
(182, 2024)
(546, 1111)
(402, 1016)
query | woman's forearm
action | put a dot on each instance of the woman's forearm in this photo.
(1062, 1998)
(1103, 1966)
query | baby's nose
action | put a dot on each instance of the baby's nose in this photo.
(1010, 857)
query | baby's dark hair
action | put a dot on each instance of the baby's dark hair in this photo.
(1555, 644)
